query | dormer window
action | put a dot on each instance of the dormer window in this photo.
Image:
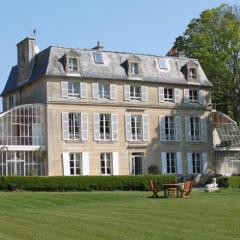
(163, 64)
(134, 68)
(192, 73)
(72, 64)
(98, 57)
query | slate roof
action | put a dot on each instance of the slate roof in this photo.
(49, 62)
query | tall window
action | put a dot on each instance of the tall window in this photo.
(72, 64)
(195, 128)
(192, 73)
(11, 102)
(196, 163)
(104, 90)
(168, 95)
(75, 163)
(134, 68)
(135, 92)
(73, 89)
(171, 162)
(98, 57)
(106, 163)
(136, 127)
(193, 96)
(170, 128)
(105, 126)
(74, 125)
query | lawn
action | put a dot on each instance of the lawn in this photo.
(118, 215)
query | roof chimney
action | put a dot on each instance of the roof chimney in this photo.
(99, 47)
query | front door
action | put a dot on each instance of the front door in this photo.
(137, 162)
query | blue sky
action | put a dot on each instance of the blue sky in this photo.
(143, 26)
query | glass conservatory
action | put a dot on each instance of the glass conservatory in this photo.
(22, 137)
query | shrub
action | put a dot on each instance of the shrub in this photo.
(223, 182)
(83, 183)
(234, 181)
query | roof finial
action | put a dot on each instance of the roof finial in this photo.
(99, 46)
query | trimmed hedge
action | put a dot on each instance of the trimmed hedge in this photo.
(225, 182)
(83, 183)
(234, 181)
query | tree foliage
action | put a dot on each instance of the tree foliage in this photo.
(214, 39)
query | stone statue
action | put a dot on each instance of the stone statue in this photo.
(212, 187)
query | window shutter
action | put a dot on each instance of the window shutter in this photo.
(161, 94)
(115, 163)
(164, 162)
(114, 120)
(83, 89)
(178, 128)
(95, 90)
(162, 128)
(66, 164)
(203, 130)
(189, 160)
(186, 95)
(144, 93)
(177, 95)
(65, 126)
(96, 126)
(14, 100)
(84, 126)
(202, 97)
(85, 163)
(113, 91)
(128, 127)
(64, 86)
(204, 163)
(145, 127)
(179, 163)
(188, 129)
(127, 92)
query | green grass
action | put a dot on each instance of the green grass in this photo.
(118, 215)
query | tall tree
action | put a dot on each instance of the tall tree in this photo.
(214, 39)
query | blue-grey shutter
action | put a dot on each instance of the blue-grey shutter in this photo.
(186, 95)
(188, 129)
(189, 161)
(205, 163)
(145, 126)
(65, 126)
(85, 163)
(64, 88)
(84, 126)
(178, 128)
(128, 130)
(95, 90)
(162, 128)
(114, 121)
(113, 91)
(164, 162)
(177, 95)
(179, 163)
(202, 97)
(66, 164)
(96, 126)
(203, 130)
(161, 94)
(127, 92)
(144, 93)
(83, 89)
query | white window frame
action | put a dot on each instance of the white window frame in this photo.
(197, 163)
(163, 64)
(166, 95)
(75, 158)
(135, 92)
(103, 126)
(73, 89)
(171, 162)
(134, 68)
(192, 73)
(72, 64)
(106, 163)
(104, 90)
(170, 131)
(193, 96)
(195, 128)
(98, 58)
(75, 124)
(136, 127)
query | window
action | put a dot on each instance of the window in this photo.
(192, 73)
(11, 102)
(106, 163)
(163, 64)
(74, 125)
(196, 163)
(104, 90)
(170, 128)
(134, 68)
(135, 92)
(193, 96)
(105, 126)
(98, 57)
(168, 95)
(136, 127)
(73, 89)
(171, 162)
(72, 64)
(75, 163)
(195, 128)
(137, 162)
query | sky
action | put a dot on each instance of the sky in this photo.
(140, 26)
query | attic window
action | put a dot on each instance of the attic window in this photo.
(72, 64)
(163, 64)
(134, 68)
(98, 57)
(192, 73)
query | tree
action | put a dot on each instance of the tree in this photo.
(214, 39)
